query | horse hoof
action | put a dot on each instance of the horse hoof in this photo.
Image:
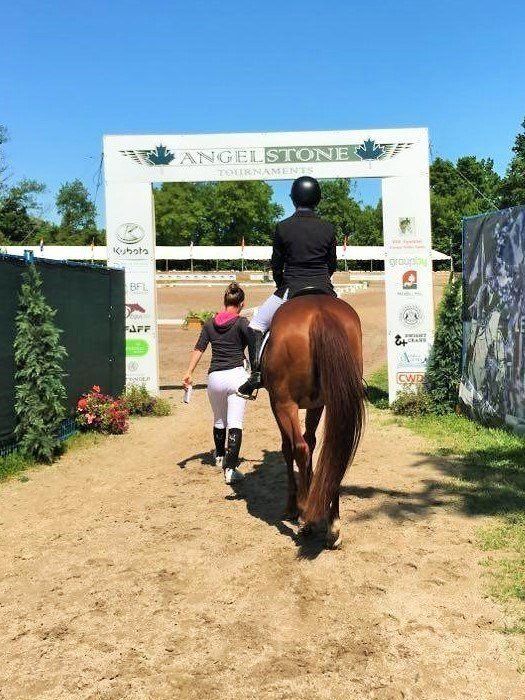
(334, 541)
(291, 515)
(306, 530)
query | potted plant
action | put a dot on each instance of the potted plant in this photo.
(194, 320)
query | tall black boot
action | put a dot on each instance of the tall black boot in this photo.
(231, 461)
(255, 339)
(219, 438)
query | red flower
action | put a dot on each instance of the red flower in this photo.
(81, 405)
(96, 389)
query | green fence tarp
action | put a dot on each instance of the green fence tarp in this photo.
(89, 301)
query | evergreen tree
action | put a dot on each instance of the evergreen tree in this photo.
(444, 364)
(513, 185)
(40, 394)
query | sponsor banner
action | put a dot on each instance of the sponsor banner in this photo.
(130, 244)
(261, 156)
(410, 316)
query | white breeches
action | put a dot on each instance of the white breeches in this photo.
(228, 408)
(262, 318)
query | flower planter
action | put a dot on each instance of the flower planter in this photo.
(194, 324)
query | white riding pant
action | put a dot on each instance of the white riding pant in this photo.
(262, 318)
(228, 408)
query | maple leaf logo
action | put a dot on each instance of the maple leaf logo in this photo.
(369, 150)
(160, 156)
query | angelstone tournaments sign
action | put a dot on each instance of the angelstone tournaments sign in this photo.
(398, 156)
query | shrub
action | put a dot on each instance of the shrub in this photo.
(162, 408)
(412, 403)
(140, 403)
(444, 364)
(40, 396)
(102, 413)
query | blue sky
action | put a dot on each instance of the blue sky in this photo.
(72, 71)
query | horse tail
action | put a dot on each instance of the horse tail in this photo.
(340, 382)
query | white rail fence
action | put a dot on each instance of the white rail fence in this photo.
(197, 252)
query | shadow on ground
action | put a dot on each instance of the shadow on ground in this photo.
(488, 478)
(264, 490)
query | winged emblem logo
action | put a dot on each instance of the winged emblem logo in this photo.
(160, 155)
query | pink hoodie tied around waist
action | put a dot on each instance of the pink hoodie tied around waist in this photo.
(223, 317)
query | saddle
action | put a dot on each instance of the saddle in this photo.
(304, 291)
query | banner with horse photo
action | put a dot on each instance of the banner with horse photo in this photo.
(493, 364)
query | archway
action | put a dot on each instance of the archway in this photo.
(398, 156)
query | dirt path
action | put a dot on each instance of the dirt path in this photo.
(129, 576)
(131, 571)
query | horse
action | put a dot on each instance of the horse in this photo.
(313, 360)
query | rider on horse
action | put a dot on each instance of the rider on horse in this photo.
(304, 255)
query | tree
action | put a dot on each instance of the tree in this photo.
(513, 185)
(220, 213)
(444, 364)
(338, 207)
(40, 394)
(362, 224)
(369, 228)
(242, 210)
(78, 214)
(3, 166)
(181, 210)
(17, 208)
(469, 187)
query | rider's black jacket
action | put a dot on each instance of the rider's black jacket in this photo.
(304, 253)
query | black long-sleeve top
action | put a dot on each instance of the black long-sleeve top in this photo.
(304, 253)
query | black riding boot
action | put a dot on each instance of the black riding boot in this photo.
(255, 339)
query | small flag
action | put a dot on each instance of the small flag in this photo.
(41, 245)
(92, 249)
(345, 243)
(242, 245)
(191, 249)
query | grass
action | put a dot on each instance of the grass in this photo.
(15, 465)
(485, 467)
(12, 465)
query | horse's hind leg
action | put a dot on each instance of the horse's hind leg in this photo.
(313, 416)
(333, 535)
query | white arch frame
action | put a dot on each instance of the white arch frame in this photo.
(398, 156)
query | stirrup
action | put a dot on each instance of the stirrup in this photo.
(252, 396)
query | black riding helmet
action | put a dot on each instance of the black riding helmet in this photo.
(305, 192)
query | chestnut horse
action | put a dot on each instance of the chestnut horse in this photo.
(313, 361)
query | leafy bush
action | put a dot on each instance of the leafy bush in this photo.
(40, 396)
(102, 413)
(412, 403)
(444, 364)
(140, 403)
(162, 408)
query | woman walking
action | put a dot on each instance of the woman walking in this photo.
(227, 333)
